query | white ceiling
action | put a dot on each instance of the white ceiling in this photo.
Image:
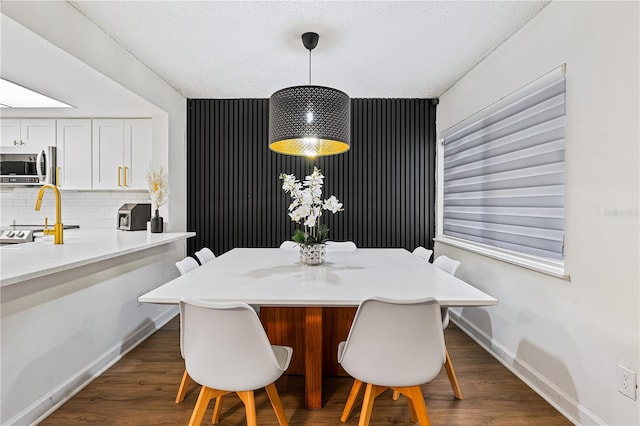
(242, 49)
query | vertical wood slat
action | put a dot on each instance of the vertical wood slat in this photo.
(386, 180)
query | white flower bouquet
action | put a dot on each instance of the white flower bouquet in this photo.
(158, 183)
(307, 207)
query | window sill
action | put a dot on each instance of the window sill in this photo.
(545, 266)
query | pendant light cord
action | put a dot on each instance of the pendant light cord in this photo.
(309, 67)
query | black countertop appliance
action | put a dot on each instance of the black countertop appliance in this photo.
(134, 216)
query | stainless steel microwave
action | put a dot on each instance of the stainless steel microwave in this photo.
(20, 168)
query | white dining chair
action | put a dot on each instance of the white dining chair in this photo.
(227, 350)
(341, 246)
(447, 264)
(205, 255)
(450, 266)
(393, 344)
(289, 245)
(186, 265)
(423, 253)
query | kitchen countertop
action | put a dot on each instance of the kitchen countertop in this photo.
(21, 262)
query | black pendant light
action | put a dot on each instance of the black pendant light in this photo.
(309, 120)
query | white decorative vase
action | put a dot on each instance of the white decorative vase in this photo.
(312, 254)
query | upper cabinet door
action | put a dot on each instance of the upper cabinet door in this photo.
(74, 153)
(30, 135)
(137, 152)
(121, 153)
(108, 154)
(38, 134)
(10, 132)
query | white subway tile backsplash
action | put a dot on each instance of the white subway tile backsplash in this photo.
(88, 209)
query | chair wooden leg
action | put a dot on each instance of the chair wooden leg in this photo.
(272, 392)
(396, 395)
(206, 395)
(249, 407)
(412, 411)
(416, 404)
(201, 406)
(351, 400)
(182, 390)
(370, 395)
(217, 409)
(452, 376)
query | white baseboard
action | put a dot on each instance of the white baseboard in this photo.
(50, 402)
(543, 386)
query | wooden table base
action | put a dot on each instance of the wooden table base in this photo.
(313, 333)
(313, 358)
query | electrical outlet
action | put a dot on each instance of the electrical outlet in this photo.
(627, 382)
(138, 294)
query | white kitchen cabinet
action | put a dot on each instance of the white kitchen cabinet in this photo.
(9, 132)
(138, 144)
(31, 134)
(121, 153)
(74, 153)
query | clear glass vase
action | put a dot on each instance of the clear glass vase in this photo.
(312, 254)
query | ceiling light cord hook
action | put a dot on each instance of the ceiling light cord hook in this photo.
(310, 41)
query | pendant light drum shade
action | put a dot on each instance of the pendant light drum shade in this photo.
(309, 121)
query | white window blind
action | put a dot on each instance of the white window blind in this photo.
(504, 172)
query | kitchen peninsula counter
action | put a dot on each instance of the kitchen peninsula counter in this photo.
(22, 262)
(71, 310)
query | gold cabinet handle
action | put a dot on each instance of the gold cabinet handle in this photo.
(57, 176)
(119, 183)
(125, 176)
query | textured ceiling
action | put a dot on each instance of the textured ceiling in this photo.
(238, 49)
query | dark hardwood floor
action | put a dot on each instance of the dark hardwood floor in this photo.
(140, 390)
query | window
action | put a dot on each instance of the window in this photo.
(503, 173)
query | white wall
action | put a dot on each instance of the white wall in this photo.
(567, 338)
(63, 26)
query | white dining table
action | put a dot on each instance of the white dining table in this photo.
(275, 277)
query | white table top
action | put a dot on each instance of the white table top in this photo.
(275, 277)
(21, 262)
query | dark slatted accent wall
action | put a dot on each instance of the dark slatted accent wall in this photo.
(386, 180)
